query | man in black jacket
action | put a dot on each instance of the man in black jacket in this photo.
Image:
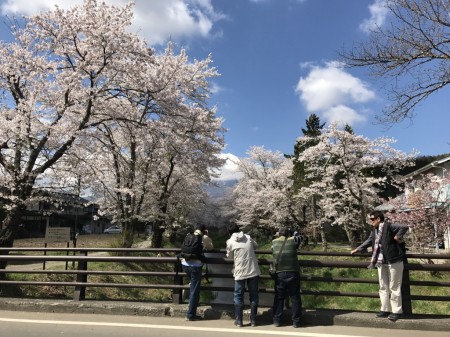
(388, 251)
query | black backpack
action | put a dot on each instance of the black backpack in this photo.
(192, 247)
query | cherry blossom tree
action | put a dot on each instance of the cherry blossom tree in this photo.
(180, 168)
(79, 91)
(58, 79)
(151, 167)
(167, 153)
(339, 168)
(263, 196)
(424, 208)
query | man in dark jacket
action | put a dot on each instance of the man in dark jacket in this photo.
(388, 252)
(287, 283)
(193, 269)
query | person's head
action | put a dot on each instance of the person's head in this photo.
(233, 228)
(375, 218)
(201, 228)
(284, 231)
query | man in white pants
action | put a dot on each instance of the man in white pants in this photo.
(388, 252)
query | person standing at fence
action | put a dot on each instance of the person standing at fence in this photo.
(287, 280)
(388, 252)
(241, 248)
(192, 259)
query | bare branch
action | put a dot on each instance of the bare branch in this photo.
(412, 53)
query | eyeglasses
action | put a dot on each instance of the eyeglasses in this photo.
(372, 219)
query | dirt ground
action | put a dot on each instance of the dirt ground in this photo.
(83, 241)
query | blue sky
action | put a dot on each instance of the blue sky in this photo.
(277, 60)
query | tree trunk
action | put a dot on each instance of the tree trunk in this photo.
(160, 224)
(128, 234)
(8, 233)
(324, 238)
(350, 236)
(158, 230)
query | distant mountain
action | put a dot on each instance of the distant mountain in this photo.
(218, 187)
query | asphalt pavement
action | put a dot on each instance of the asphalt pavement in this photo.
(212, 312)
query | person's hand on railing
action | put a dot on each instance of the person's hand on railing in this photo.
(354, 251)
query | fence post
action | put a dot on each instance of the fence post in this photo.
(177, 297)
(80, 291)
(406, 290)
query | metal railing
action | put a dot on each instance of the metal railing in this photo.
(81, 257)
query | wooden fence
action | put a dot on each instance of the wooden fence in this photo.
(79, 258)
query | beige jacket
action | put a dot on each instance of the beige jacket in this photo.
(241, 247)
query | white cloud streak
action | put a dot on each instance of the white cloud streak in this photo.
(215, 88)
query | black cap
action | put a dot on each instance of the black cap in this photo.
(201, 228)
(284, 231)
(233, 228)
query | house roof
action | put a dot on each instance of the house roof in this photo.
(428, 167)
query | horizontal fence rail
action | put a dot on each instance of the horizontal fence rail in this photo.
(80, 258)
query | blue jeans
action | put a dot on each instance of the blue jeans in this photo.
(195, 276)
(287, 284)
(252, 286)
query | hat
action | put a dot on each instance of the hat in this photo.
(201, 228)
(284, 231)
(233, 228)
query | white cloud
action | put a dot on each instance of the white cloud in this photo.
(260, 1)
(160, 20)
(342, 115)
(230, 170)
(332, 91)
(26, 7)
(215, 88)
(378, 14)
(156, 21)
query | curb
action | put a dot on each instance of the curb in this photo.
(319, 317)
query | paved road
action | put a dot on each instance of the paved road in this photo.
(218, 313)
(35, 324)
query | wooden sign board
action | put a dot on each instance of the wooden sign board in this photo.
(57, 234)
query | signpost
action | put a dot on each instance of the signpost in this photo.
(55, 235)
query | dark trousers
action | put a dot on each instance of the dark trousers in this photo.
(195, 276)
(287, 284)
